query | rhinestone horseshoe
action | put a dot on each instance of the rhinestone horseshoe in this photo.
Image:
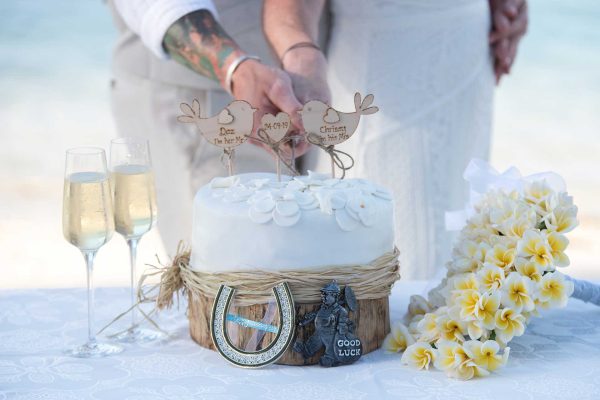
(266, 356)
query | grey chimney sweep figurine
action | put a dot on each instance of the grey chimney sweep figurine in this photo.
(333, 329)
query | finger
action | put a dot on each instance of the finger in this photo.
(517, 27)
(512, 54)
(501, 51)
(282, 96)
(511, 8)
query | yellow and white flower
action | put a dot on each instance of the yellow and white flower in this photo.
(469, 256)
(562, 219)
(418, 305)
(452, 358)
(428, 329)
(534, 246)
(467, 304)
(398, 339)
(517, 293)
(558, 244)
(554, 290)
(450, 328)
(529, 269)
(500, 256)
(509, 323)
(419, 355)
(486, 308)
(490, 277)
(485, 354)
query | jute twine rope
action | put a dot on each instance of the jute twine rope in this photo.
(369, 281)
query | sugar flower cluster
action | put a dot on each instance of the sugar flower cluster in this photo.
(352, 202)
(503, 272)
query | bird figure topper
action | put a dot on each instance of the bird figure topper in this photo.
(229, 128)
(326, 127)
(332, 126)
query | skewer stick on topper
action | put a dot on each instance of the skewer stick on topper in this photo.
(228, 129)
(326, 127)
(272, 133)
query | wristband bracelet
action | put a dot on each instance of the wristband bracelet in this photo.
(299, 45)
(231, 69)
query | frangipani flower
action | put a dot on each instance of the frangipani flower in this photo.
(500, 256)
(562, 219)
(469, 256)
(450, 328)
(485, 354)
(516, 293)
(419, 355)
(467, 304)
(529, 269)
(418, 306)
(486, 308)
(558, 244)
(398, 339)
(428, 328)
(490, 277)
(509, 323)
(554, 290)
(535, 246)
(453, 359)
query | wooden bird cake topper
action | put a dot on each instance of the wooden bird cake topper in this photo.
(228, 129)
(326, 127)
(272, 134)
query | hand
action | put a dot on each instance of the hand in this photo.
(307, 67)
(270, 90)
(510, 20)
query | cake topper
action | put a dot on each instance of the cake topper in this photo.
(271, 353)
(333, 328)
(326, 127)
(272, 133)
(228, 129)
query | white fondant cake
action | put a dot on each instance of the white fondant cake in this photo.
(252, 221)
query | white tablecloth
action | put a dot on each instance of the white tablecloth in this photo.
(557, 358)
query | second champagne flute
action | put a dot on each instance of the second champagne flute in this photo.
(135, 212)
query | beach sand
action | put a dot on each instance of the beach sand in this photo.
(54, 95)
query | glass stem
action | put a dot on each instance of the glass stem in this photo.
(89, 261)
(132, 243)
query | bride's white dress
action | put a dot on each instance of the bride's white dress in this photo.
(428, 64)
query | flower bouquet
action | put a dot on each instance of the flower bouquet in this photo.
(503, 272)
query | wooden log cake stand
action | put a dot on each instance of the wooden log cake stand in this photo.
(372, 321)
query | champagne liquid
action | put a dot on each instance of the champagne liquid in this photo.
(134, 199)
(87, 210)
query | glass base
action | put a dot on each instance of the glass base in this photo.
(94, 350)
(140, 335)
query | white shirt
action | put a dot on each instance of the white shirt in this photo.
(151, 19)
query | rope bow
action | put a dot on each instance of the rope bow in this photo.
(334, 153)
(263, 137)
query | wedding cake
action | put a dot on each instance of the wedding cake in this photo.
(255, 222)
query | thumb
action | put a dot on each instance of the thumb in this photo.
(282, 96)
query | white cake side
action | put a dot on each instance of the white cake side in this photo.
(251, 221)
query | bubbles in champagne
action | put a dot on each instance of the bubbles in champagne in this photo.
(87, 210)
(134, 199)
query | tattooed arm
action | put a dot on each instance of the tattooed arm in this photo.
(201, 44)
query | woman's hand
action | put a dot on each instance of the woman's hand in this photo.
(509, 21)
(270, 90)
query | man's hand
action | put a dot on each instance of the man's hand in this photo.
(270, 90)
(509, 19)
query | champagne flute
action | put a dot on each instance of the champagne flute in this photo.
(88, 224)
(135, 212)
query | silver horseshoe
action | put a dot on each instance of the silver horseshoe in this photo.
(266, 356)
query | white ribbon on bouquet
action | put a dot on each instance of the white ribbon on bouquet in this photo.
(482, 177)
